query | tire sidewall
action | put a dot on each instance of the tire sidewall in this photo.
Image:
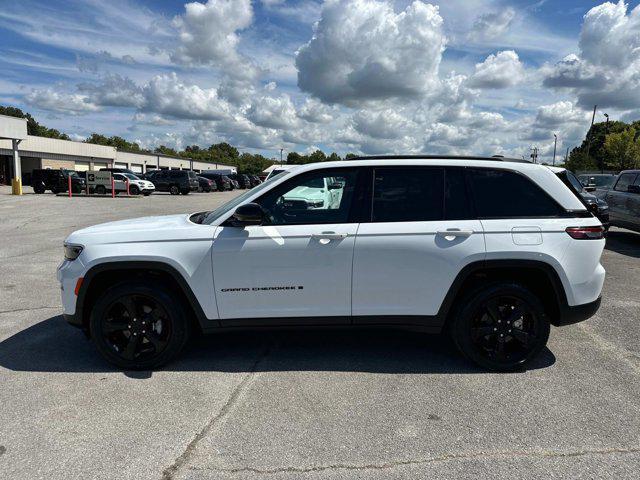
(174, 190)
(161, 294)
(460, 327)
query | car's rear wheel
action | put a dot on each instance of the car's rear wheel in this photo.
(502, 327)
(174, 190)
(139, 325)
(38, 189)
(100, 190)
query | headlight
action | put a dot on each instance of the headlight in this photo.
(71, 252)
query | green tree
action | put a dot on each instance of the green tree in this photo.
(622, 150)
(114, 141)
(166, 151)
(579, 161)
(334, 157)
(317, 156)
(349, 156)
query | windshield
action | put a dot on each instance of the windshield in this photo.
(231, 204)
(130, 176)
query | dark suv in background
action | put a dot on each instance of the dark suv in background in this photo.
(56, 180)
(596, 205)
(243, 180)
(624, 200)
(222, 181)
(174, 181)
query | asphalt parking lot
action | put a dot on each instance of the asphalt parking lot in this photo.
(301, 405)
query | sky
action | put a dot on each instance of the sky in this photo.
(479, 77)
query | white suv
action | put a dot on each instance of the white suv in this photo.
(489, 250)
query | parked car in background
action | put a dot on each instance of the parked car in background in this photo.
(223, 182)
(175, 181)
(56, 180)
(242, 180)
(595, 205)
(595, 182)
(206, 185)
(137, 185)
(624, 200)
(255, 180)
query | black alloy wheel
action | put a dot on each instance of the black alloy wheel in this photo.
(501, 327)
(138, 325)
(174, 190)
(134, 190)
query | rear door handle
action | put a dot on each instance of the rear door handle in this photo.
(329, 236)
(455, 232)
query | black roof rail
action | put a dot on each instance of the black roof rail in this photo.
(495, 158)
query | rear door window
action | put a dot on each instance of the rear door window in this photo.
(408, 194)
(507, 194)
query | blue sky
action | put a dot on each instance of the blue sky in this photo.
(368, 76)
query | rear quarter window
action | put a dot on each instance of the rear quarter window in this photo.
(507, 194)
(624, 181)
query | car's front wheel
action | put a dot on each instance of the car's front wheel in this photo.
(502, 326)
(138, 325)
(174, 190)
(134, 190)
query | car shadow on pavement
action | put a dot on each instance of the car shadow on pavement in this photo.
(54, 346)
(624, 242)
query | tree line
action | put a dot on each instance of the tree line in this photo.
(613, 145)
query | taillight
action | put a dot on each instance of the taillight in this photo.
(586, 233)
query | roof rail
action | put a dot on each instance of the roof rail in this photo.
(495, 158)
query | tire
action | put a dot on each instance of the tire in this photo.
(134, 190)
(119, 320)
(146, 194)
(100, 190)
(184, 192)
(174, 190)
(54, 191)
(38, 190)
(485, 325)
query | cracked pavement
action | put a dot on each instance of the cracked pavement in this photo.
(317, 405)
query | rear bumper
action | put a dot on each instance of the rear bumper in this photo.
(577, 313)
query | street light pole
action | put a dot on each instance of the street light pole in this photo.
(555, 144)
(281, 155)
(591, 128)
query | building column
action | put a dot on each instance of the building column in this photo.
(16, 182)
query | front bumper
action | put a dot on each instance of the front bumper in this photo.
(570, 314)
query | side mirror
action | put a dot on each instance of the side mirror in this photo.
(248, 214)
(590, 188)
(633, 188)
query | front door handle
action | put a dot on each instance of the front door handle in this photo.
(454, 232)
(329, 236)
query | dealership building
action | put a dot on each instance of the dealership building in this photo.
(25, 153)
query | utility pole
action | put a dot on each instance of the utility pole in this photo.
(534, 154)
(555, 144)
(590, 128)
(281, 155)
(606, 132)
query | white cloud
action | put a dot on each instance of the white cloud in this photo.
(207, 35)
(315, 112)
(502, 70)
(69, 103)
(273, 112)
(492, 25)
(114, 91)
(362, 50)
(606, 72)
(168, 95)
(383, 124)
